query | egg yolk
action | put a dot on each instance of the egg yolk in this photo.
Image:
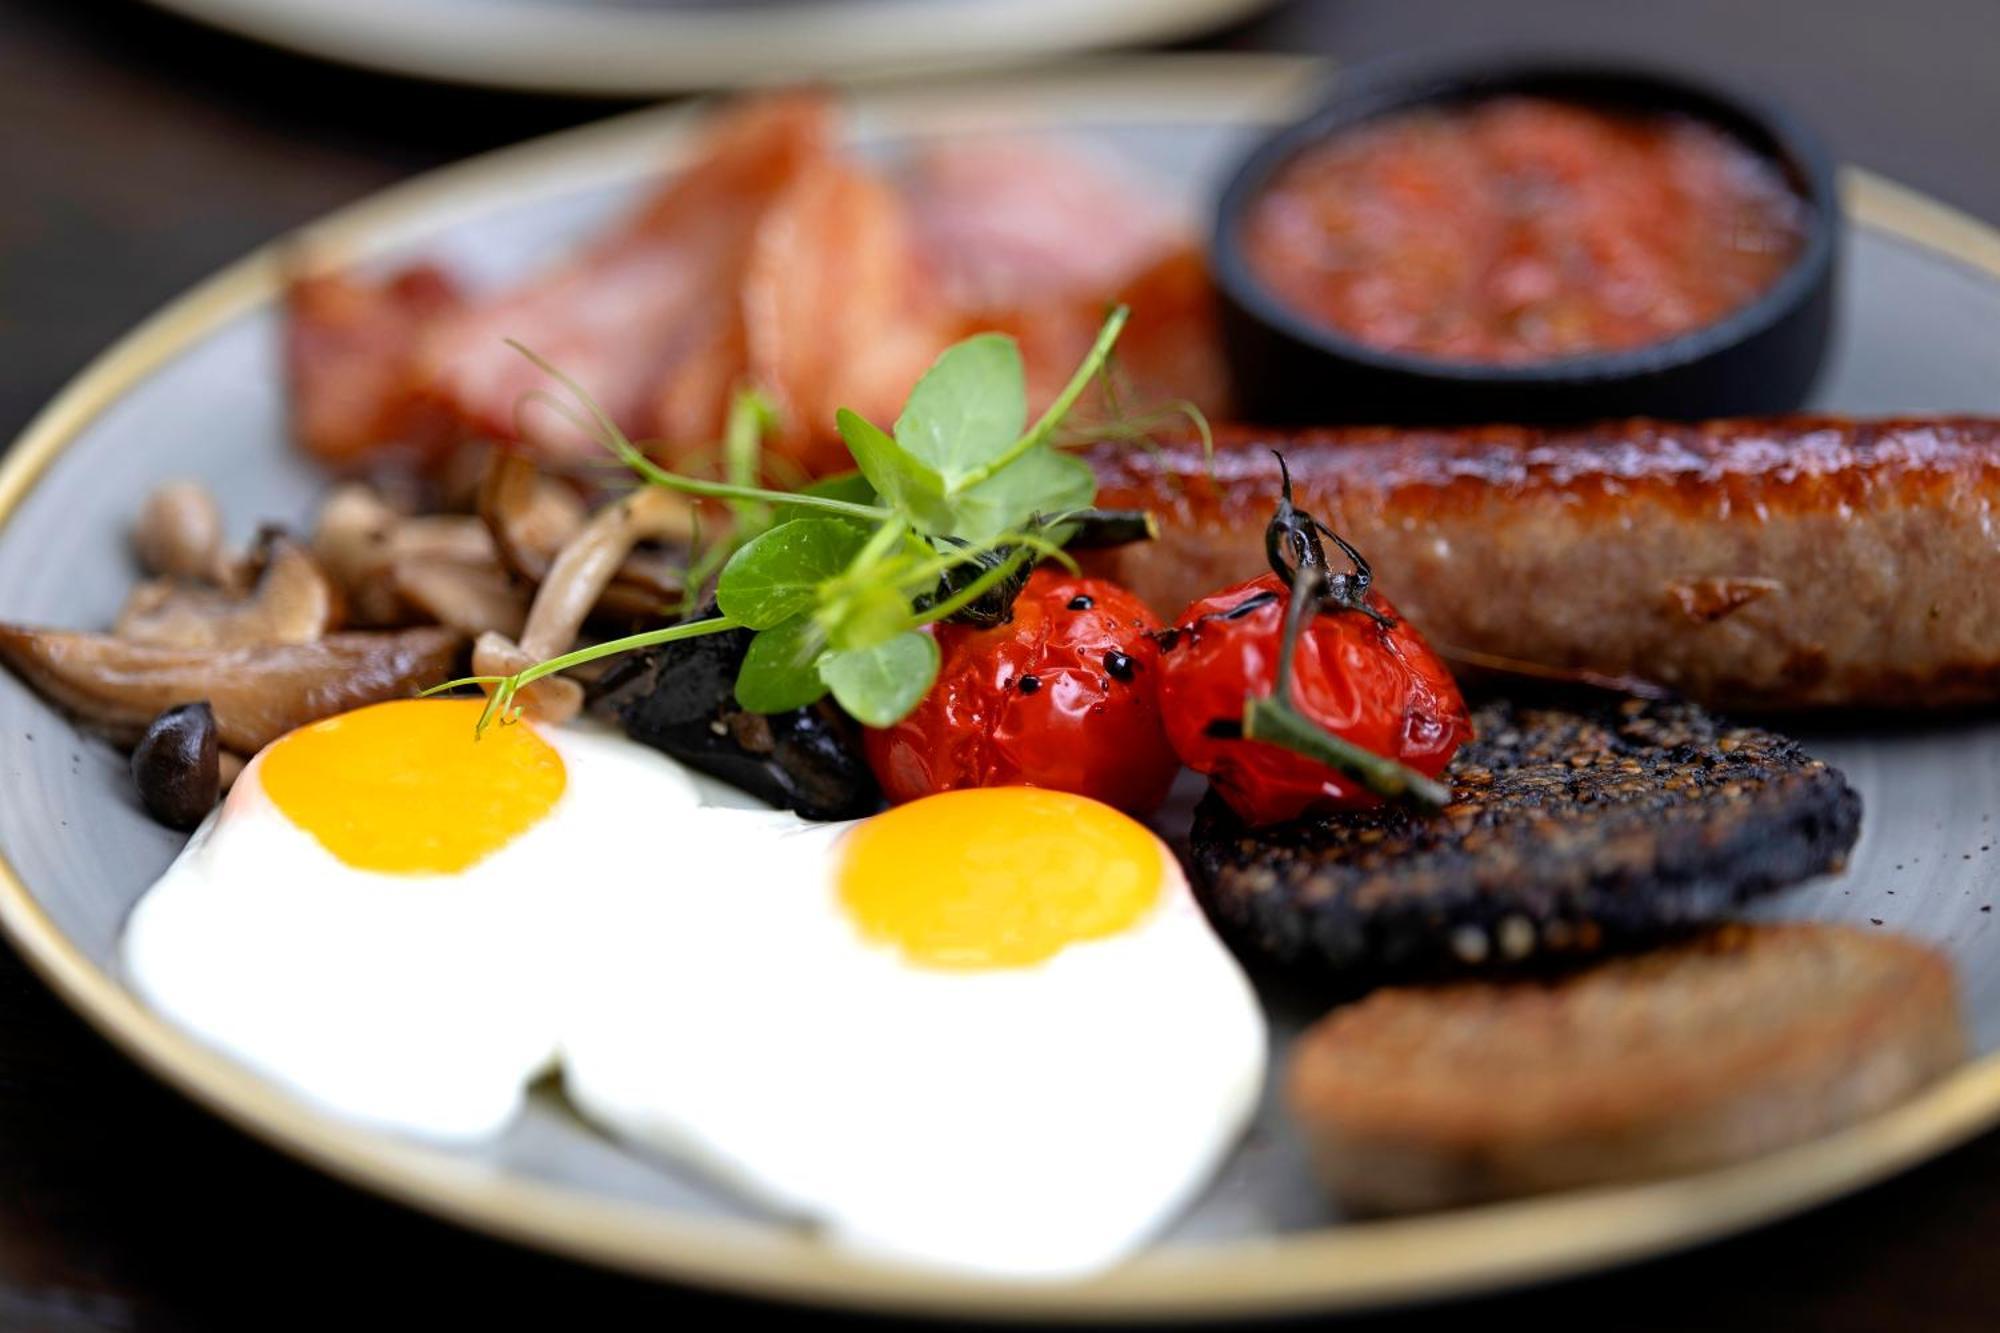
(997, 877)
(405, 788)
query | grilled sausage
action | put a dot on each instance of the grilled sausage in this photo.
(1789, 562)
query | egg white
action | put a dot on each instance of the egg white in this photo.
(1032, 1122)
(419, 1003)
(683, 955)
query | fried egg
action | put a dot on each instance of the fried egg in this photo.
(378, 917)
(989, 1030)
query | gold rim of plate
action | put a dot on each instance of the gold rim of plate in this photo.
(1350, 1266)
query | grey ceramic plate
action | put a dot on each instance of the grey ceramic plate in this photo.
(196, 391)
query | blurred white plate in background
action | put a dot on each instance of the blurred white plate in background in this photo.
(615, 48)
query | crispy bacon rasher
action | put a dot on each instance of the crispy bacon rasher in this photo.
(778, 260)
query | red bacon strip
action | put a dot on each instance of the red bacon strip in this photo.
(775, 261)
(350, 347)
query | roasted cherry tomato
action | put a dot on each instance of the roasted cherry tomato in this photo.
(1374, 682)
(1303, 690)
(1064, 696)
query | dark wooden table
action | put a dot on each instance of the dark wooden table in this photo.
(138, 153)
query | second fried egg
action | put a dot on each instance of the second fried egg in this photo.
(989, 1030)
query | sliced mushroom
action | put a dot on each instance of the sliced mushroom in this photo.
(550, 699)
(586, 566)
(444, 537)
(257, 693)
(473, 599)
(178, 534)
(292, 600)
(360, 538)
(647, 584)
(453, 484)
(350, 540)
(530, 517)
(533, 518)
(573, 585)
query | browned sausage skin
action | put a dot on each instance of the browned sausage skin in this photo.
(1788, 562)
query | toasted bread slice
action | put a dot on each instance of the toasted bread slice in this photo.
(1571, 831)
(1727, 1045)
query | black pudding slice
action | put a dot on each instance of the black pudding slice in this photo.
(680, 698)
(1570, 833)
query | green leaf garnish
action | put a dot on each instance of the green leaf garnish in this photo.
(752, 416)
(955, 505)
(864, 613)
(1043, 483)
(1044, 429)
(851, 487)
(777, 575)
(780, 671)
(880, 685)
(967, 409)
(906, 483)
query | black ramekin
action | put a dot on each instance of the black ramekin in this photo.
(1761, 358)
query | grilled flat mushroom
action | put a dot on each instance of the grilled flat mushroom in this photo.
(257, 694)
(1570, 832)
(1731, 1044)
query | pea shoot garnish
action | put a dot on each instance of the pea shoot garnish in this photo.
(942, 514)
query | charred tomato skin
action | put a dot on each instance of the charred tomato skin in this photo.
(1379, 686)
(1064, 696)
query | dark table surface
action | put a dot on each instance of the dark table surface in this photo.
(138, 153)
